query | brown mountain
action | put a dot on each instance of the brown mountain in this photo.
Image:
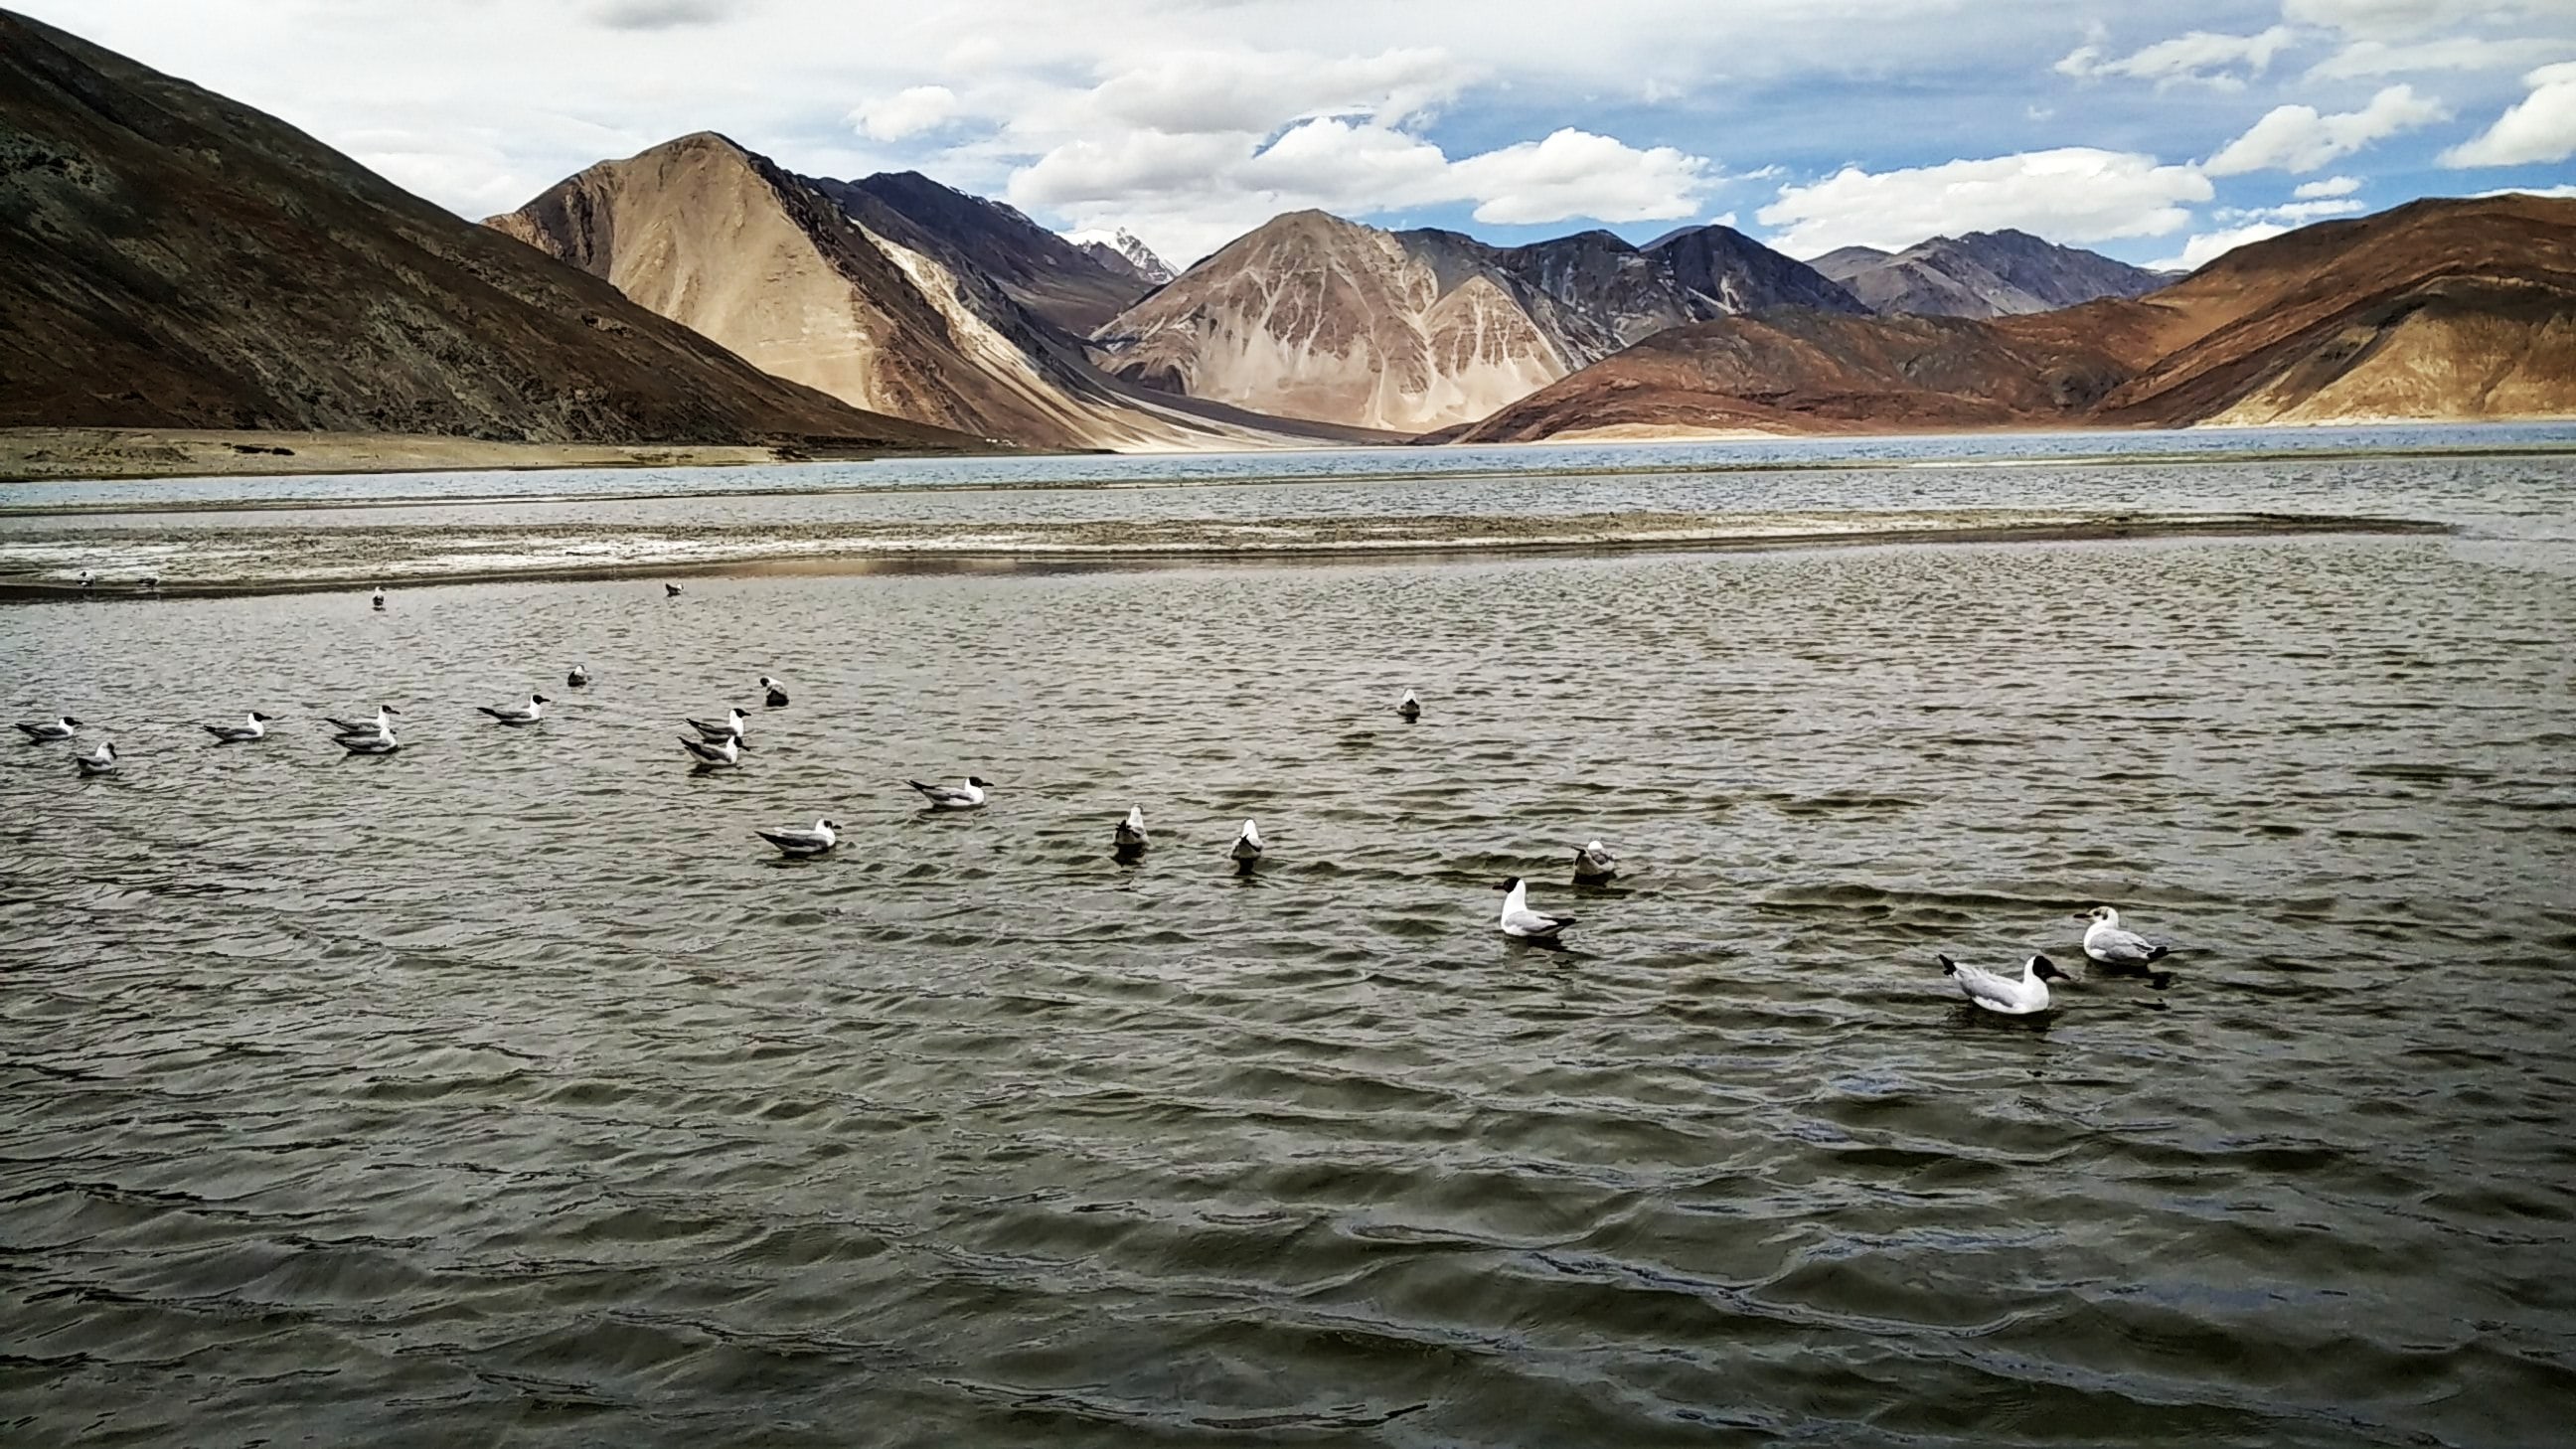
(886, 307)
(1058, 281)
(1983, 274)
(1312, 316)
(2439, 309)
(169, 258)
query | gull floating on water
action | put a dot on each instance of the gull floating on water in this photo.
(378, 741)
(969, 796)
(100, 761)
(251, 728)
(382, 721)
(731, 729)
(59, 729)
(519, 714)
(1130, 835)
(376, 600)
(1523, 923)
(578, 677)
(777, 698)
(1594, 864)
(723, 755)
(798, 842)
(2105, 942)
(1996, 992)
(1410, 709)
(1247, 846)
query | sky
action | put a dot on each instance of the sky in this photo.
(2159, 134)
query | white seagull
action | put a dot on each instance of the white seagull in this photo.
(1520, 921)
(251, 728)
(578, 677)
(383, 721)
(1594, 864)
(100, 761)
(731, 729)
(519, 714)
(376, 600)
(777, 697)
(59, 729)
(84, 582)
(379, 741)
(969, 796)
(1247, 845)
(723, 756)
(1410, 709)
(798, 842)
(670, 591)
(1994, 992)
(1130, 835)
(2105, 942)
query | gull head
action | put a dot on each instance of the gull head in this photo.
(979, 782)
(2043, 968)
(1512, 884)
(2103, 914)
(262, 718)
(539, 699)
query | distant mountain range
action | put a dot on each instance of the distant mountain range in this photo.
(1982, 274)
(1122, 252)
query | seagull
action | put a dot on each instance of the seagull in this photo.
(250, 729)
(2105, 942)
(1594, 864)
(379, 741)
(84, 582)
(377, 600)
(519, 714)
(670, 591)
(1522, 922)
(1247, 846)
(382, 721)
(802, 843)
(716, 757)
(1410, 709)
(578, 677)
(777, 693)
(731, 729)
(60, 729)
(150, 583)
(2024, 997)
(1130, 836)
(100, 761)
(969, 796)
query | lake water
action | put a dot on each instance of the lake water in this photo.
(509, 1090)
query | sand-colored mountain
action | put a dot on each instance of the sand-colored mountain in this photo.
(1312, 316)
(172, 259)
(827, 284)
(1983, 274)
(2439, 310)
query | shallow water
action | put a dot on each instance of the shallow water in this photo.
(507, 1090)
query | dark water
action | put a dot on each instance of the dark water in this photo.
(508, 1091)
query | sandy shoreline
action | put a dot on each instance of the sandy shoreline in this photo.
(232, 560)
(29, 455)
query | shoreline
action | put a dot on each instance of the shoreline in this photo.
(369, 557)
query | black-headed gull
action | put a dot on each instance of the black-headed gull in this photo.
(376, 600)
(799, 842)
(383, 721)
(670, 591)
(1130, 835)
(1594, 864)
(519, 714)
(2105, 942)
(100, 761)
(1247, 846)
(378, 741)
(578, 677)
(255, 726)
(969, 796)
(729, 728)
(1522, 923)
(776, 698)
(1409, 709)
(2001, 993)
(722, 755)
(58, 729)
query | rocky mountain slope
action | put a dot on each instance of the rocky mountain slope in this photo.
(2440, 309)
(1059, 282)
(1123, 251)
(1311, 316)
(169, 258)
(885, 304)
(1983, 274)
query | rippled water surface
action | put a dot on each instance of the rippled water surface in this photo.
(509, 1091)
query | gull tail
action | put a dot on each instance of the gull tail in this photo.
(1949, 967)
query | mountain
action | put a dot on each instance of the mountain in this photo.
(1122, 251)
(1311, 316)
(172, 259)
(1054, 279)
(2439, 309)
(1983, 274)
(885, 304)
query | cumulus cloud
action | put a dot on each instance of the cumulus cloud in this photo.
(2199, 56)
(1576, 173)
(2331, 186)
(2209, 246)
(2539, 128)
(2297, 138)
(659, 14)
(2073, 194)
(2458, 52)
(908, 112)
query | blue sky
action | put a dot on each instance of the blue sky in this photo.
(2156, 134)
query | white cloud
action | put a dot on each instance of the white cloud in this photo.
(2297, 138)
(1244, 90)
(2405, 19)
(908, 112)
(1576, 173)
(2564, 191)
(2207, 247)
(2069, 195)
(2200, 55)
(2539, 128)
(2292, 213)
(659, 14)
(2457, 52)
(2331, 186)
